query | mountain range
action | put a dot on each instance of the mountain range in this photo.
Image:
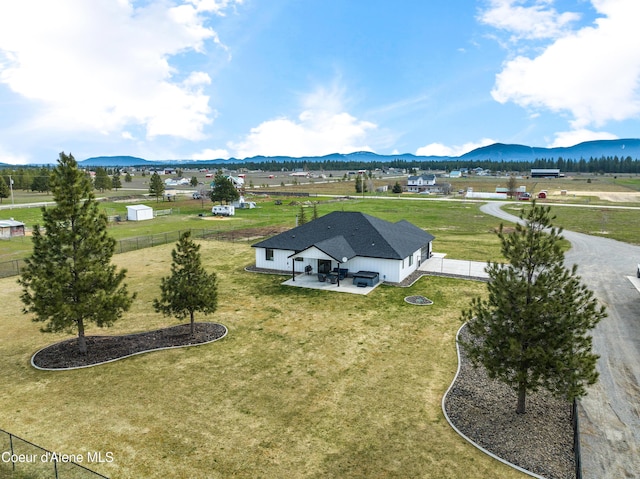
(496, 152)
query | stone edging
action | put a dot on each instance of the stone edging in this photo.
(477, 446)
(226, 330)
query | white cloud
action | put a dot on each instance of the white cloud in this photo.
(573, 137)
(210, 154)
(438, 149)
(593, 73)
(534, 19)
(103, 65)
(12, 158)
(320, 129)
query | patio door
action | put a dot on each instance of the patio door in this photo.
(324, 266)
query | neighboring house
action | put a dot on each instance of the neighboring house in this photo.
(349, 240)
(418, 184)
(11, 228)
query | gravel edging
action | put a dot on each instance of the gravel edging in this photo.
(64, 355)
(482, 410)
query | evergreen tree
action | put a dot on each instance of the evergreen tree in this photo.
(302, 216)
(40, 181)
(223, 189)
(5, 191)
(115, 181)
(314, 215)
(69, 279)
(511, 186)
(102, 181)
(189, 288)
(359, 184)
(533, 330)
(156, 186)
(194, 181)
(397, 188)
(128, 178)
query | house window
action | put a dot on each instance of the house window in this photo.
(410, 260)
(269, 254)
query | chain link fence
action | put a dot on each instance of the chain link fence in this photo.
(14, 267)
(21, 459)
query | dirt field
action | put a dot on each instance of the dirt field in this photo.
(617, 197)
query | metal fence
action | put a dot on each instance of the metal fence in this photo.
(576, 439)
(21, 459)
(14, 267)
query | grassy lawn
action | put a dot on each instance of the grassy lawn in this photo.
(306, 384)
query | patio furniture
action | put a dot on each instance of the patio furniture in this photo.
(308, 269)
(322, 277)
(333, 278)
(342, 272)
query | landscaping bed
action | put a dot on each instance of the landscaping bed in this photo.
(101, 349)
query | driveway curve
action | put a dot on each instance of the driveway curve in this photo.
(609, 416)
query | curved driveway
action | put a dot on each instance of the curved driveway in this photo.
(610, 414)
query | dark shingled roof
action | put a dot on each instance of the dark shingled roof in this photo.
(350, 233)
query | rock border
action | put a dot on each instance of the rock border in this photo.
(418, 300)
(460, 433)
(32, 361)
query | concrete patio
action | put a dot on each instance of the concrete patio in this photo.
(311, 281)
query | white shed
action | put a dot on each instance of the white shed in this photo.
(139, 213)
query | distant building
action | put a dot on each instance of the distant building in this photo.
(11, 228)
(419, 184)
(545, 173)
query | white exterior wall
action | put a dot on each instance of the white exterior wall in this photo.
(280, 259)
(139, 213)
(389, 269)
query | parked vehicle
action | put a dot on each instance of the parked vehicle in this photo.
(196, 195)
(223, 210)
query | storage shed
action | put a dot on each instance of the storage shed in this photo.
(11, 228)
(139, 213)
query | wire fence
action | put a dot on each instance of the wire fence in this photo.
(14, 267)
(21, 459)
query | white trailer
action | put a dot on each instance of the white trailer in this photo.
(223, 210)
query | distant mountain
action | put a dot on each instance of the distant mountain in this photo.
(116, 161)
(586, 150)
(496, 152)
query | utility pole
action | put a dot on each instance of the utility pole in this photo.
(11, 188)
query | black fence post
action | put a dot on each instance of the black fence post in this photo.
(13, 464)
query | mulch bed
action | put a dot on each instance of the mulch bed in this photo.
(100, 349)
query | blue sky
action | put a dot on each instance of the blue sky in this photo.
(206, 79)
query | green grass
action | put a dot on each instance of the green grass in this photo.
(619, 224)
(306, 384)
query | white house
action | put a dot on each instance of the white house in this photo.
(418, 184)
(139, 213)
(348, 240)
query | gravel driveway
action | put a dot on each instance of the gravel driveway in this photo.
(610, 414)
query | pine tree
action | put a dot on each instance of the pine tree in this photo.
(156, 186)
(5, 191)
(194, 181)
(115, 181)
(533, 330)
(69, 279)
(223, 189)
(128, 178)
(302, 216)
(189, 288)
(102, 181)
(397, 188)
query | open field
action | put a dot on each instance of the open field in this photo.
(306, 384)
